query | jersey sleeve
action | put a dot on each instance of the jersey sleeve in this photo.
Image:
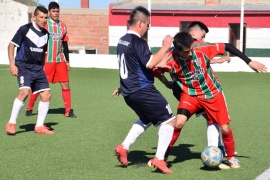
(213, 50)
(65, 33)
(143, 51)
(18, 37)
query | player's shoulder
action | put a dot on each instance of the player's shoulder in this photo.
(62, 23)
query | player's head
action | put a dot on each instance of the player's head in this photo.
(183, 43)
(198, 30)
(40, 16)
(54, 10)
(139, 20)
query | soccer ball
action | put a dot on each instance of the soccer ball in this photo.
(211, 156)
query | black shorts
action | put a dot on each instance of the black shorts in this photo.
(32, 76)
(150, 106)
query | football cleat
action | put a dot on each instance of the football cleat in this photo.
(28, 113)
(161, 165)
(121, 154)
(234, 163)
(43, 130)
(10, 129)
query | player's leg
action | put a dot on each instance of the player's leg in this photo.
(41, 86)
(31, 103)
(184, 112)
(136, 130)
(61, 76)
(24, 81)
(217, 111)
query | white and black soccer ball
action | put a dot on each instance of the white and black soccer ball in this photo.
(211, 156)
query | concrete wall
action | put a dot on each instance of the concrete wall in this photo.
(111, 62)
(12, 16)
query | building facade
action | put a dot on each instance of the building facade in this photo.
(222, 18)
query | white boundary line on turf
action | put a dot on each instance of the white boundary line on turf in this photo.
(265, 175)
(4, 69)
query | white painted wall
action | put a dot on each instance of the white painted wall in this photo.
(111, 62)
(12, 16)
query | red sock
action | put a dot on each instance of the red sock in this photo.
(228, 141)
(176, 134)
(67, 99)
(32, 100)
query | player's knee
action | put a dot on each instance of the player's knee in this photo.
(23, 94)
(225, 128)
(45, 96)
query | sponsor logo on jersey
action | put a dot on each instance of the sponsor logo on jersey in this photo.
(198, 62)
(36, 49)
(125, 43)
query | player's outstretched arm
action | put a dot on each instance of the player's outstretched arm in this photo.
(116, 92)
(220, 60)
(256, 66)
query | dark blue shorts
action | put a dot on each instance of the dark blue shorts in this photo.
(150, 106)
(32, 76)
(177, 94)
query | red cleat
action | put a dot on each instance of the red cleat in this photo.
(121, 154)
(161, 165)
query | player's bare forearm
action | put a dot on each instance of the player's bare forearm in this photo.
(13, 68)
(220, 60)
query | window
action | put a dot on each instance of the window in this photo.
(234, 36)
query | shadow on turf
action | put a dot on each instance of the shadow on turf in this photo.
(31, 127)
(55, 111)
(181, 152)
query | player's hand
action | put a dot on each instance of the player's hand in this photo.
(116, 92)
(167, 41)
(224, 59)
(13, 70)
(68, 66)
(257, 66)
(163, 62)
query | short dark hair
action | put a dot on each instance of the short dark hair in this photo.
(182, 40)
(135, 14)
(200, 24)
(53, 5)
(41, 9)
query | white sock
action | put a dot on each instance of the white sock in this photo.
(136, 130)
(17, 106)
(165, 134)
(213, 135)
(43, 108)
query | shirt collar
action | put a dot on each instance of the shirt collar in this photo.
(133, 32)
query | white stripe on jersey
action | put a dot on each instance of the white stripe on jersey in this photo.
(38, 41)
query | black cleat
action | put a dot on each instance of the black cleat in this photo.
(71, 115)
(28, 113)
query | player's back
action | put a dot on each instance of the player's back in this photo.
(133, 54)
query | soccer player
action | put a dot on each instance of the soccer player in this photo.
(201, 88)
(198, 30)
(56, 59)
(31, 42)
(136, 85)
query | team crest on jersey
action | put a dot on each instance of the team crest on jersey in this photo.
(198, 62)
(22, 81)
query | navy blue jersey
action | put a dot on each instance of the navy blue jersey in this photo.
(31, 44)
(133, 54)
